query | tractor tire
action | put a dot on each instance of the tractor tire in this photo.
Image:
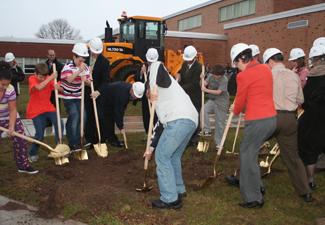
(127, 74)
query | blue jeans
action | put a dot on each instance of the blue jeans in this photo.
(72, 107)
(169, 151)
(40, 123)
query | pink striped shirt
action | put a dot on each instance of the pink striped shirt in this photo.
(71, 90)
(9, 95)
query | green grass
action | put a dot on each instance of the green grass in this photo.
(216, 204)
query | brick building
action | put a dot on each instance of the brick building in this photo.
(284, 24)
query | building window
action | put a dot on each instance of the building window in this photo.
(152, 30)
(243, 8)
(190, 23)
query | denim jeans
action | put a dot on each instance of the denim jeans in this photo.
(169, 151)
(40, 123)
(72, 107)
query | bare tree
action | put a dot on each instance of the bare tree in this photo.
(58, 29)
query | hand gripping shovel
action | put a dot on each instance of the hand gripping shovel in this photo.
(210, 179)
(145, 187)
(82, 155)
(59, 160)
(236, 135)
(57, 152)
(101, 149)
(203, 145)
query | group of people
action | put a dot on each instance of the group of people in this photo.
(271, 95)
(112, 100)
(268, 93)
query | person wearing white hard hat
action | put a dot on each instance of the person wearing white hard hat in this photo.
(179, 117)
(319, 41)
(288, 96)
(100, 77)
(311, 129)
(72, 76)
(297, 59)
(17, 74)
(190, 81)
(254, 98)
(255, 52)
(114, 98)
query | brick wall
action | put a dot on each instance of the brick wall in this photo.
(35, 50)
(213, 50)
(275, 33)
(283, 5)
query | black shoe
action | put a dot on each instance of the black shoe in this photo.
(117, 144)
(308, 197)
(75, 148)
(250, 205)
(312, 185)
(182, 195)
(29, 170)
(232, 180)
(163, 205)
(263, 192)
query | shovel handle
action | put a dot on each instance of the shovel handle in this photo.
(82, 108)
(95, 111)
(29, 139)
(58, 118)
(125, 140)
(237, 131)
(225, 132)
(202, 98)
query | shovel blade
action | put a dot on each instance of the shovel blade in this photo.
(206, 146)
(82, 155)
(61, 150)
(101, 150)
(61, 161)
(200, 146)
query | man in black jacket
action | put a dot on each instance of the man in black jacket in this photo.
(190, 81)
(17, 74)
(51, 59)
(114, 98)
(100, 76)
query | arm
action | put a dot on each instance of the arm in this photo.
(43, 84)
(241, 95)
(195, 79)
(163, 79)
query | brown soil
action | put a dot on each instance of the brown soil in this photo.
(100, 183)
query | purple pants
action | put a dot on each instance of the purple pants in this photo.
(20, 145)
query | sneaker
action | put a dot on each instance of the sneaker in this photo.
(29, 170)
(75, 148)
(33, 158)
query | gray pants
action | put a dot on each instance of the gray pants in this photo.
(220, 110)
(255, 133)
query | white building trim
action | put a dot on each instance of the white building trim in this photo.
(276, 16)
(195, 35)
(191, 9)
(38, 40)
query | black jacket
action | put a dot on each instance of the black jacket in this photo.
(100, 75)
(17, 75)
(114, 100)
(190, 82)
(59, 67)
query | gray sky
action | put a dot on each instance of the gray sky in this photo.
(22, 18)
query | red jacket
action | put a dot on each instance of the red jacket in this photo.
(255, 92)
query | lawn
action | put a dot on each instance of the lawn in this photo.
(102, 190)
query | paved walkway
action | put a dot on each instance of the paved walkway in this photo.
(14, 212)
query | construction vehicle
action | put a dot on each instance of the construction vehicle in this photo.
(136, 35)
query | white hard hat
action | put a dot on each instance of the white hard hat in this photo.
(237, 49)
(9, 57)
(138, 89)
(317, 50)
(152, 55)
(255, 50)
(96, 45)
(319, 41)
(80, 49)
(296, 53)
(189, 53)
(269, 53)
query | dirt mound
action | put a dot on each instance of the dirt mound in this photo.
(11, 206)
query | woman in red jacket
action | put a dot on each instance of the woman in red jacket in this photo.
(254, 98)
